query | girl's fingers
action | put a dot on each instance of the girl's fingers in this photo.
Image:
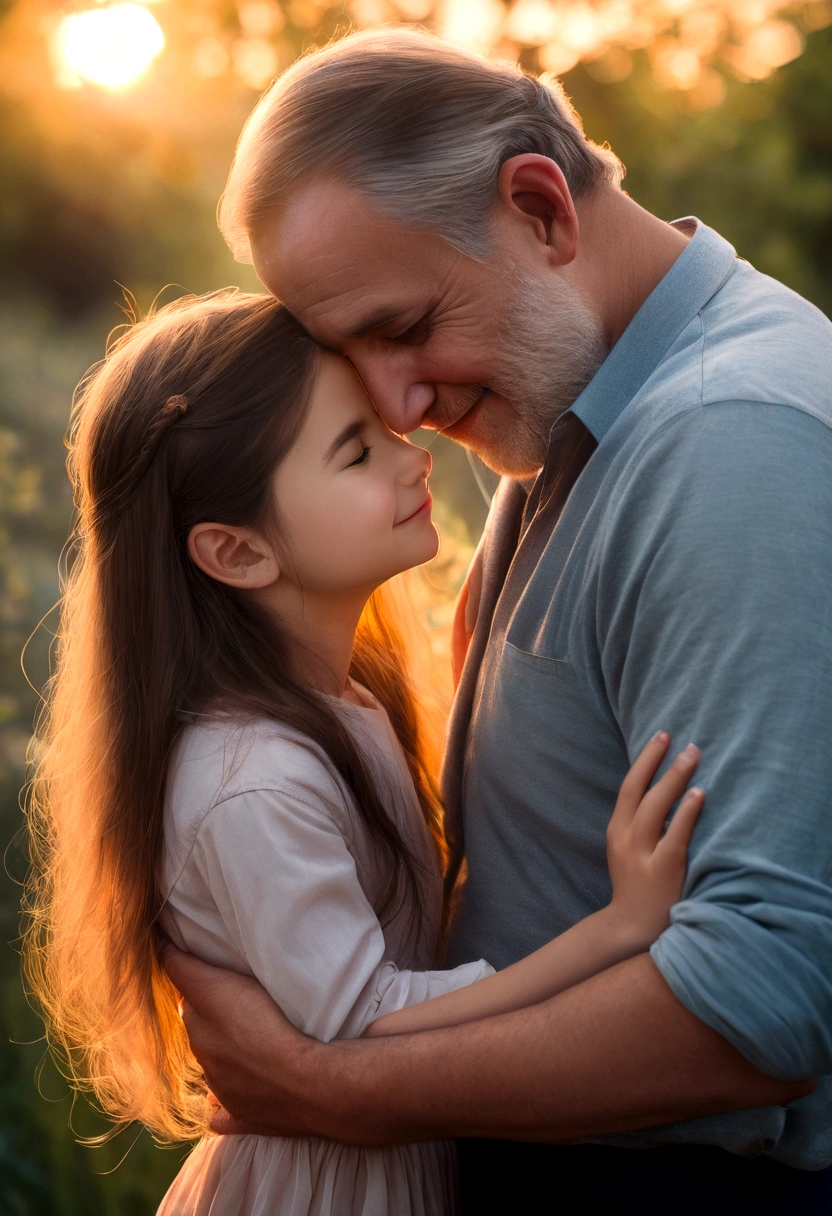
(636, 783)
(658, 802)
(683, 822)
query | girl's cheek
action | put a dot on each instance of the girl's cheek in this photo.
(380, 498)
(338, 515)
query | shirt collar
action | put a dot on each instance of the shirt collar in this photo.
(695, 276)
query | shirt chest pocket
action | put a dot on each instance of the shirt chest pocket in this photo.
(541, 665)
(557, 723)
(540, 747)
(538, 700)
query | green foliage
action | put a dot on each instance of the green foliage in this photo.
(758, 168)
(78, 214)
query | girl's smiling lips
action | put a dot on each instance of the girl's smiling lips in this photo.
(424, 508)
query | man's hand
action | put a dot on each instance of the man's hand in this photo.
(246, 1047)
(614, 1053)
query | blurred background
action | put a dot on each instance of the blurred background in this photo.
(117, 126)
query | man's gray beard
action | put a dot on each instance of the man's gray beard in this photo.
(551, 349)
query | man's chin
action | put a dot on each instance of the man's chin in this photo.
(488, 442)
(507, 466)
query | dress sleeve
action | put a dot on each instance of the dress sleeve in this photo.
(716, 618)
(285, 884)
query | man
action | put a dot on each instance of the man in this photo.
(657, 557)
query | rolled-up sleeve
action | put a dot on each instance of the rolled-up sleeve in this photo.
(715, 619)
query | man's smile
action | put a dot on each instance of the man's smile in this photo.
(448, 418)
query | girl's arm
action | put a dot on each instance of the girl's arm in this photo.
(270, 888)
(647, 867)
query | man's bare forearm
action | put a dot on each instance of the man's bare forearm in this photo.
(616, 1053)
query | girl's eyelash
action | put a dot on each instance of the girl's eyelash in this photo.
(365, 452)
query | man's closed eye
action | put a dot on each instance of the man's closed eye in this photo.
(416, 334)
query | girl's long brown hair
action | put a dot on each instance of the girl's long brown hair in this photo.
(145, 634)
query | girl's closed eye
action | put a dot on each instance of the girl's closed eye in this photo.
(365, 452)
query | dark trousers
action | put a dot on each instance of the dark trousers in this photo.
(502, 1177)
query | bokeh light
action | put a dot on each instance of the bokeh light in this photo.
(110, 46)
(692, 46)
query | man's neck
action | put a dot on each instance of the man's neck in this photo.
(624, 253)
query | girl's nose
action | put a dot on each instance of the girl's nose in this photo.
(418, 465)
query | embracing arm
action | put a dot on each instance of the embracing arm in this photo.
(616, 1052)
(594, 944)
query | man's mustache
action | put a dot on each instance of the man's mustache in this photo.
(449, 409)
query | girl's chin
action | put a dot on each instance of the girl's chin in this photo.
(432, 543)
(420, 554)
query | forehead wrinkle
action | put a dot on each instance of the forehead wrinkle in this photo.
(316, 285)
(333, 313)
(329, 254)
(353, 305)
(336, 289)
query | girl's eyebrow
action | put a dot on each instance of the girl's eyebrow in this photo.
(351, 431)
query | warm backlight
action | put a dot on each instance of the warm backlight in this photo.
(110, 46)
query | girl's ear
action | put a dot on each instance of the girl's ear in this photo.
(236, 556)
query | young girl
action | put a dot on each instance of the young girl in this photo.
(233, 753)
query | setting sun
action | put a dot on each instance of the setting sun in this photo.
(110, 46)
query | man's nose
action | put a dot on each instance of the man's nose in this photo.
(418, 399)
(401, 400)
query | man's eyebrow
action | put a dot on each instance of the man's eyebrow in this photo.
(351, 431)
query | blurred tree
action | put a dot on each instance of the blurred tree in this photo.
(758, 167)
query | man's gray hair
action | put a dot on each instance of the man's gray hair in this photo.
(418, 125)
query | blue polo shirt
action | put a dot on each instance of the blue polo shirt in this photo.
(687, 586)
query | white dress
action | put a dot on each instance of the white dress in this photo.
(267, 870)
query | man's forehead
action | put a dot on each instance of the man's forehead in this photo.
(331, 254)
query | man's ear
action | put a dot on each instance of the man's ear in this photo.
(534, 193)
(236, 556)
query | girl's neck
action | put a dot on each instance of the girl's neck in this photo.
(324, 628)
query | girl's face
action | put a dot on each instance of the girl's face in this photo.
(352, 496)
